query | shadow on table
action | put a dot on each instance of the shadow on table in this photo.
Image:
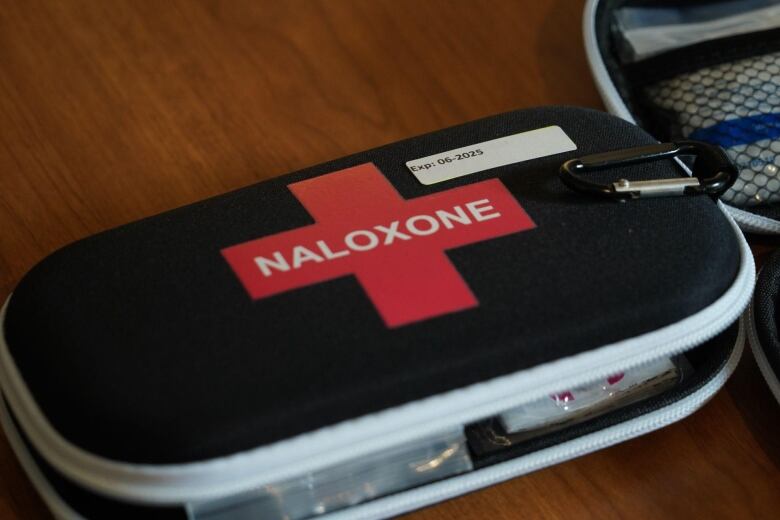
(562, 64)
(756, 404)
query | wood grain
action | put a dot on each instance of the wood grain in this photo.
(112, 111)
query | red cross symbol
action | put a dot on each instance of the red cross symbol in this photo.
(393, 246)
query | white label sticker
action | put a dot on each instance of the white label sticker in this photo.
(491, 154)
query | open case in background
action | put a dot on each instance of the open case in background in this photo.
(706, 70)
(149, 370)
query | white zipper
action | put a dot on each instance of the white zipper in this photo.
(615, 104)
(59, 508)
(225, 476)
(436, 492)
(456, 486)
(758, 353)
(753, 223)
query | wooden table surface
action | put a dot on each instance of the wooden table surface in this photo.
(111, 111)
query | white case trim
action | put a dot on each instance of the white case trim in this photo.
(50, 497)
(449, 488)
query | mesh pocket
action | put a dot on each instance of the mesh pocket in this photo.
(735, 105)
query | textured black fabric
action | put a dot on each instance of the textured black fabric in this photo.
(139, 344)
(90, 505)
(767, 311)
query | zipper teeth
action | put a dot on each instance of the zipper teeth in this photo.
(572, 449)
(755, 223)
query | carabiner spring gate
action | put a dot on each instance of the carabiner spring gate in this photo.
(713, 172)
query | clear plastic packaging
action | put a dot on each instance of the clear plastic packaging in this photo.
(346, 484)
(521, 427)
(586, 401)
(441, 456)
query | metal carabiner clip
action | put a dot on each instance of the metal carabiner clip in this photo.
(713, 172)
